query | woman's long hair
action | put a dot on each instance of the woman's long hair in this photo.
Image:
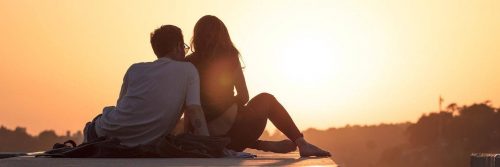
(211, 40)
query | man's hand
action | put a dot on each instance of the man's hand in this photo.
(194, 114)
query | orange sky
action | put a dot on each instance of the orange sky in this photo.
(330, 62)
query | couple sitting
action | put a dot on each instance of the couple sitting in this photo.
(155, 94)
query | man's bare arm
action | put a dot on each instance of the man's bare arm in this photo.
(195, 116)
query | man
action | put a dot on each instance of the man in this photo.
(153, 96)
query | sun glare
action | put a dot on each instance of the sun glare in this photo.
(307, 61)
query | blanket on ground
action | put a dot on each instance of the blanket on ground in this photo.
(181, 146)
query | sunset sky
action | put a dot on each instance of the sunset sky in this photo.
(330, 63)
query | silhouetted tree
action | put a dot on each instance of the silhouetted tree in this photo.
(18, 140)
(447, 139)
(437, 139)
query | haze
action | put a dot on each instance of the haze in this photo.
(330, 62)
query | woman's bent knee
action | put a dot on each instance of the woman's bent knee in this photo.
(265, 96)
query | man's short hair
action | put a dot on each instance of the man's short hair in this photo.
(166, 39)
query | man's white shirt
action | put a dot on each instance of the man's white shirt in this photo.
(151, 101)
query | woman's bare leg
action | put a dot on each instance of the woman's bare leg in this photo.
(251, 122)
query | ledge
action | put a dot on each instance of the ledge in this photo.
(264, 159)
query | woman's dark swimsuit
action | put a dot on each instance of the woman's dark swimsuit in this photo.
(218, 78)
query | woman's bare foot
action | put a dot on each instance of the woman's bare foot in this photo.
(283, 146)
(308, 150)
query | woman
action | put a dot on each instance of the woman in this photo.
(220, 71)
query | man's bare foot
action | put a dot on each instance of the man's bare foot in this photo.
(308, 150)
(283, 146)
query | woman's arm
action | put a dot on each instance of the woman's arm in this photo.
(240, 85)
